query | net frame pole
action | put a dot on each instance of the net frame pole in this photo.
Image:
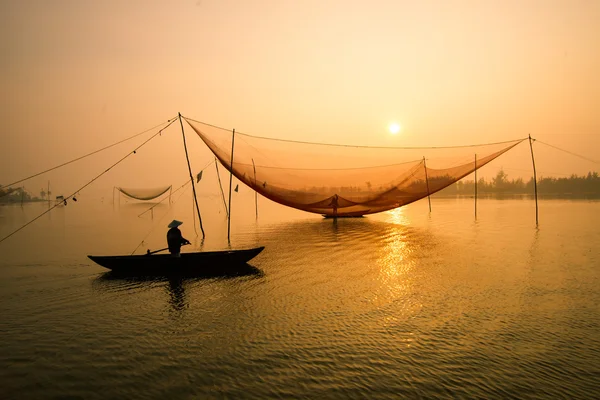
(534, 181)
(255, 192)
(191, 176)
(194, 219)
(427, 182)
(475, 185)
(221, 187)
(230, 182)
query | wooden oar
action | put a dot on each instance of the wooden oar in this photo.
(166, 248)
(155, 251)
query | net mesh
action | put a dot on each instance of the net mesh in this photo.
(339, 180)
(144, 194)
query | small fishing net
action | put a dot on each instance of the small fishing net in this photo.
(339, 180)
(144, 194)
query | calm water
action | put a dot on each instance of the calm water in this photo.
(404, 304)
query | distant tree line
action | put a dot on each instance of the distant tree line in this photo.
(15, 195)
(574, 185)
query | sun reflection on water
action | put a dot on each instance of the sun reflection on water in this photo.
(395, 263)
(398, 216)
(396, 279)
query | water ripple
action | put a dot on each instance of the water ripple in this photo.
(399, 305)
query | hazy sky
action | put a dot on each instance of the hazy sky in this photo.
(78, 75)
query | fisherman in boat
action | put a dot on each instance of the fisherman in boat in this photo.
(175, 239)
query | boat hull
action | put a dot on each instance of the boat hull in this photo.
(166, 264)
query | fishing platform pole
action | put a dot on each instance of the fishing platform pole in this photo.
(475, 185)
(534, 181)
(255, 192)
(427, 182)
(230, 181)
(191, 176)
(221, 187)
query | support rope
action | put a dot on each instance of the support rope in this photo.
(160, 219)
(350, 145)
(186, 183)
(87, 184)
(567, 151)
(187, 157)
(92, 153)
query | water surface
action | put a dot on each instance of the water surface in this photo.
(403, 304)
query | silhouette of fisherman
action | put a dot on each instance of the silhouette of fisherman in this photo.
(334, 204)
(175, 239)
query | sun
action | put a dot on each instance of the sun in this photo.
(394, 128)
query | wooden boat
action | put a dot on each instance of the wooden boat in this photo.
(166, 264)
(357, 214)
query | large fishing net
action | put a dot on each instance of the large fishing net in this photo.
(338, 180)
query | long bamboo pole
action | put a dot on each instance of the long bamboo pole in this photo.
(475, 185)
(221, 187)
(191, 176)
(427, 182)
(230, 182)
(255, 192)
(534, 182)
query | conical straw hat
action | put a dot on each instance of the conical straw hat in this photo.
(175, 223)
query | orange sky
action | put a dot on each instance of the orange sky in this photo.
(78, 75)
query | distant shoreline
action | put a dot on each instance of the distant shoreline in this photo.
(513, 196)
(12, 202)
(438, 195)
